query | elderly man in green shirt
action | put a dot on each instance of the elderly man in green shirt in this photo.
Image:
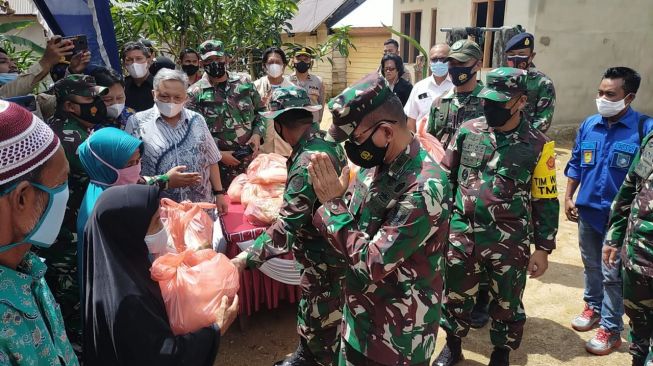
(33, 197)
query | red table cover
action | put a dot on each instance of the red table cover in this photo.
(255, 287)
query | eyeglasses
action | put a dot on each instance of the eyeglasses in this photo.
(441, 59)
(389, 69)
(375, 126)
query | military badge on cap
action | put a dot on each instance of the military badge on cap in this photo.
(520, 41)
(465, 50)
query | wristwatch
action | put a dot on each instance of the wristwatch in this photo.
(217, 192)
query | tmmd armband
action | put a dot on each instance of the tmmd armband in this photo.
(544, 177)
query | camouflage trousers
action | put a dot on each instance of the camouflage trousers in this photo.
(319, 314)
(61, 277)
(348, 356)
(505, 267)
(638, 304)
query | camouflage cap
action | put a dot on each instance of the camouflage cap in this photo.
(77, 84)
(503, 83)
(287, 98)
(349, 107)
(464, 50)
(210, 48)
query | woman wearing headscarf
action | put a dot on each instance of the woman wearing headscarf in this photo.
(125, 320)
(112, 157)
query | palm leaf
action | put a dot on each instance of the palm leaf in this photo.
(413, 42)
(7, 27)
(20, 41)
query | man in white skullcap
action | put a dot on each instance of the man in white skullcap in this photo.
(33, 196)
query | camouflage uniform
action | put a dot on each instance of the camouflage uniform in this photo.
(450, 111)
(322, 272)
(541, 99)
(501, 206)
(541, 93)
(453, 108)
(61, 257)
(231, 111)
(631, 224)
(391, 226)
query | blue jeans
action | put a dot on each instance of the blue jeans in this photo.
(603, 286)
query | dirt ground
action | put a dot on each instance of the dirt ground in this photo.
(550, 302)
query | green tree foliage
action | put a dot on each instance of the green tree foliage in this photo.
(243, 25)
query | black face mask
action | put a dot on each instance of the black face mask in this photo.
(94, 112)
(519, 62)
(461, 74)
(366, 155)
(302, 66)
(190, 70)
(496, 115)
(216, 69)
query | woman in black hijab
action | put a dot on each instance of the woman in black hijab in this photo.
(125, 321)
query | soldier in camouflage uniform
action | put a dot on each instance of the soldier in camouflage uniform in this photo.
(448, 112)
(503, 174)
(631, 224)
(541, 93)
(390, 224)
(322, 272)
(230, 104)
(79, 110)
(459, 104)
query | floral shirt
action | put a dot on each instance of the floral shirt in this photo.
(31, 327)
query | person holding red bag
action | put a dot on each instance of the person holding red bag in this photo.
(125, 319)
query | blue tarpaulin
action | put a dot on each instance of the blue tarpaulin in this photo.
(89, 17)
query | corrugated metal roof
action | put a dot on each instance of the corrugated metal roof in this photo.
(311, 13)
(371, 13)
(23, 7)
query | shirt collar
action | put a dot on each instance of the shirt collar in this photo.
(624, 120)
(158, 118)
(16, 285)
(398, 165)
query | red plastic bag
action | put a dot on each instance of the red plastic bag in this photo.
(189, 226)
(267, 169)
(431, 144)
(192, 285)
(236, 187)
(252, 192)
(263, 212)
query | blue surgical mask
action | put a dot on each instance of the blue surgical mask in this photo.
(439, 68)
(6, 78)
(47, 228)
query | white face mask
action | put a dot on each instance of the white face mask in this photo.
(138, 70)
(169, 109)
(608, 109)
(113, 111)
(274, 70)
(157, 243)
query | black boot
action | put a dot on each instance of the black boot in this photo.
(500, 357)
(301, 357)
(451, 354)
(638, 361)
(480, 315)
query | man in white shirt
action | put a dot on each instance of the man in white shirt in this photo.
(430, 88)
